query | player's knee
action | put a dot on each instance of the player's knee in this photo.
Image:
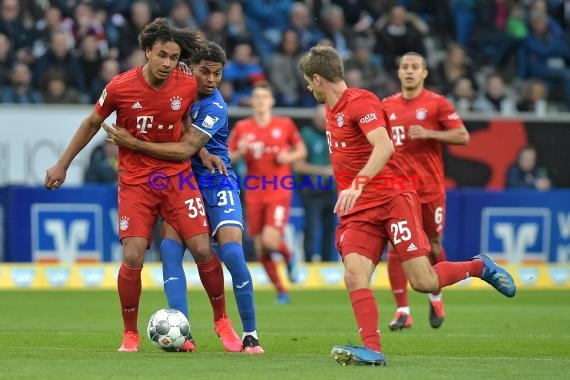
(200, 250)
(270, 242)
(354, 279)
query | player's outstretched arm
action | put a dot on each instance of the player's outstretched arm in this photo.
(455, 136)
(55, 176)
(192, 141)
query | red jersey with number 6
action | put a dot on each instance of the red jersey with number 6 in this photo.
(357, 113)
(421, 158)
(150, 114)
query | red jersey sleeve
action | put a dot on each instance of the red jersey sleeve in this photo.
(106, 103)
(369, 114)
(447, 116)
(235, 135)
(294, 138)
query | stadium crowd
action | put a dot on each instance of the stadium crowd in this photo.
(502, 56)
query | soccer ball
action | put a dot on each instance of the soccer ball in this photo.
(168, 329)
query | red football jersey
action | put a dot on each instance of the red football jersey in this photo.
(150, 115)
(421, 158)
(266, 179)
(356, 113)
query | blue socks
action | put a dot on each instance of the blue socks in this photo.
(232, 256)
(173, 275)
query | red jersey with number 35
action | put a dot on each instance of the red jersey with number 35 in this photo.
(150, 115)
(356, 113)
(421, 158)
(266, 178)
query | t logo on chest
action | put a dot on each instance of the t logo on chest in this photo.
(145, 122)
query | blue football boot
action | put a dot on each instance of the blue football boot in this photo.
(496, 276)
(357, 355)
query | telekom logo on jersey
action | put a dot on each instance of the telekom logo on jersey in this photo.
(145, 122)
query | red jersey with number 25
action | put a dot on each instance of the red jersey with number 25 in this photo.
(150, 115)
(265, 143)
(356, 113)
(421, 158)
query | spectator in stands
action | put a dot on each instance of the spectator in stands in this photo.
(57, 91)
(455, 65)
(401, 32)
(85, 24)
(103, 163)
(109, 68)
(20, 89)
(373, 76)
(336, 30)
(464, 16)
(437, 14)
(181, 16)
(215, 29)
(302, 22)
(242, 71)
(266, 22)
(237, 30)
(359, 15)
(495, 97)
(59, 57)
(6, 59)
(44, 28)
(463, 95)
(545, 54)
(287, 80)
(12, 24)
(140, 14)
(318, 202)
(525, 174)
(90, 58)
(534, 98)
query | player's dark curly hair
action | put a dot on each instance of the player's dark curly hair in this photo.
(211, 52)
(160, 30)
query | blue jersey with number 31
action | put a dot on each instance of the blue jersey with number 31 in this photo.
(220, 193)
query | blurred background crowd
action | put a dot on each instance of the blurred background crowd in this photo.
(502, 56)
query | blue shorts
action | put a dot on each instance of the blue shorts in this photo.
(223, 208)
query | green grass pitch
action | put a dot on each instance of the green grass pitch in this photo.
(75, 335)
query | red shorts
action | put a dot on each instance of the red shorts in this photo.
(433, 216)
(398, 221)
(179, 204)
(272, 213)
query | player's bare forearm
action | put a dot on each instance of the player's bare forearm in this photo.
(303, 167)
(85, 133)
(299, 152)
(192, 141)
(456, 136)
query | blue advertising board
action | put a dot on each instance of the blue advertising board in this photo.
(514, 226)
(80, 225)
(63, 226)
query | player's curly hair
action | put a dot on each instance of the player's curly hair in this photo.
(160, 30)
(211, 52)
(324, 61)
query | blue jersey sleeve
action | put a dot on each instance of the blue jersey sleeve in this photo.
(211, 117)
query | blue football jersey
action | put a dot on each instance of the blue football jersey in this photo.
(210, 115)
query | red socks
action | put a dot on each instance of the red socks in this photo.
(271, 270)
(398, 280)
(450, 272)
(366, 313)
(212, 278)
(129, 287)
